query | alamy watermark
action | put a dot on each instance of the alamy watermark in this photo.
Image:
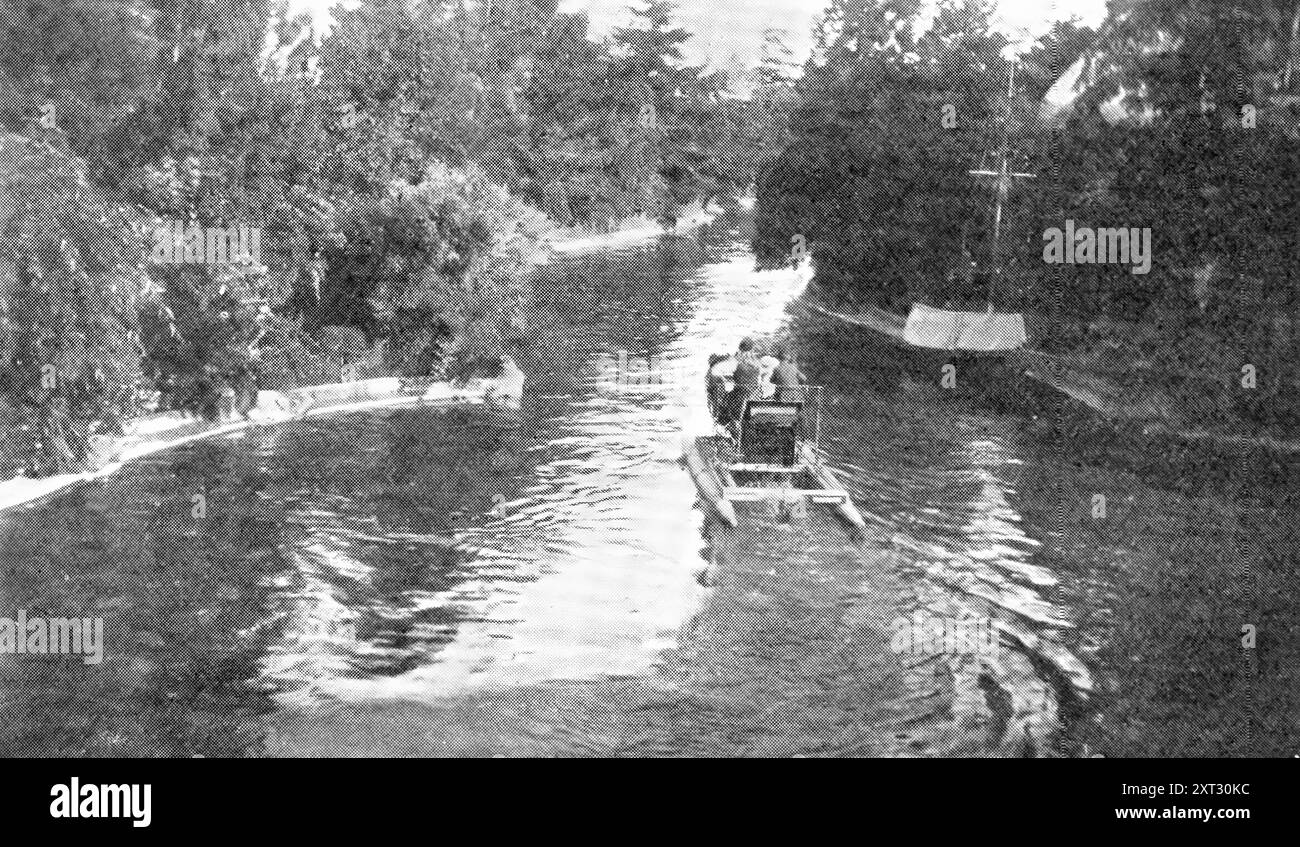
(177, 244)
(131, 801)
(648, 369)
(924, 635)
(23, 635)
(1083, 245)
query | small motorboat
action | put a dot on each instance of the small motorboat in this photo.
(765, 457)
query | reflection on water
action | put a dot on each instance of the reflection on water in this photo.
(419, 581)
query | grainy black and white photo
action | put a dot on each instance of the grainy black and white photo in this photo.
(649, 378)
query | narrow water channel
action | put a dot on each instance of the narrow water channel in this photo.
(417, 581)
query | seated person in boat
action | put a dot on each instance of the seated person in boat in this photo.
(747, 377)
(768, 364)
(788, 379)
(721, 368)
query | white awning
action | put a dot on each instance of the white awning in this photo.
(979, 332)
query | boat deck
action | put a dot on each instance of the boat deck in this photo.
(724, 483)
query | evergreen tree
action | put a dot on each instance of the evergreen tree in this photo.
(576, 150)
(653, 84)
(777, 67)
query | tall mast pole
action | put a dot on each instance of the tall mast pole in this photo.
(1004, 185)
(1004, 176)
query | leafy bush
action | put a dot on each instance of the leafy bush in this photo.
(288, 357)
(344, 343)
(437, 269)
(70, 273)
(201, 331)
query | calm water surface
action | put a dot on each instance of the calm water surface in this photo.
(417, 581)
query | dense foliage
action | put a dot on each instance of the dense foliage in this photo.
(438, 265)
(873, 178)
(1205, 154)
(1182, 122)
(70, 276)
(386, 166)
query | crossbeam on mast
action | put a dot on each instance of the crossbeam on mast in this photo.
(998, 173)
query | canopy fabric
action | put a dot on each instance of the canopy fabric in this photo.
(979, 332)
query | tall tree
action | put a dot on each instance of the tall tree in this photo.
(874, 178)
(577, 146)
(652, 82)
(776, 63)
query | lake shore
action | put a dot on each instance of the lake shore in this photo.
(154, 433)
(631, 232)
